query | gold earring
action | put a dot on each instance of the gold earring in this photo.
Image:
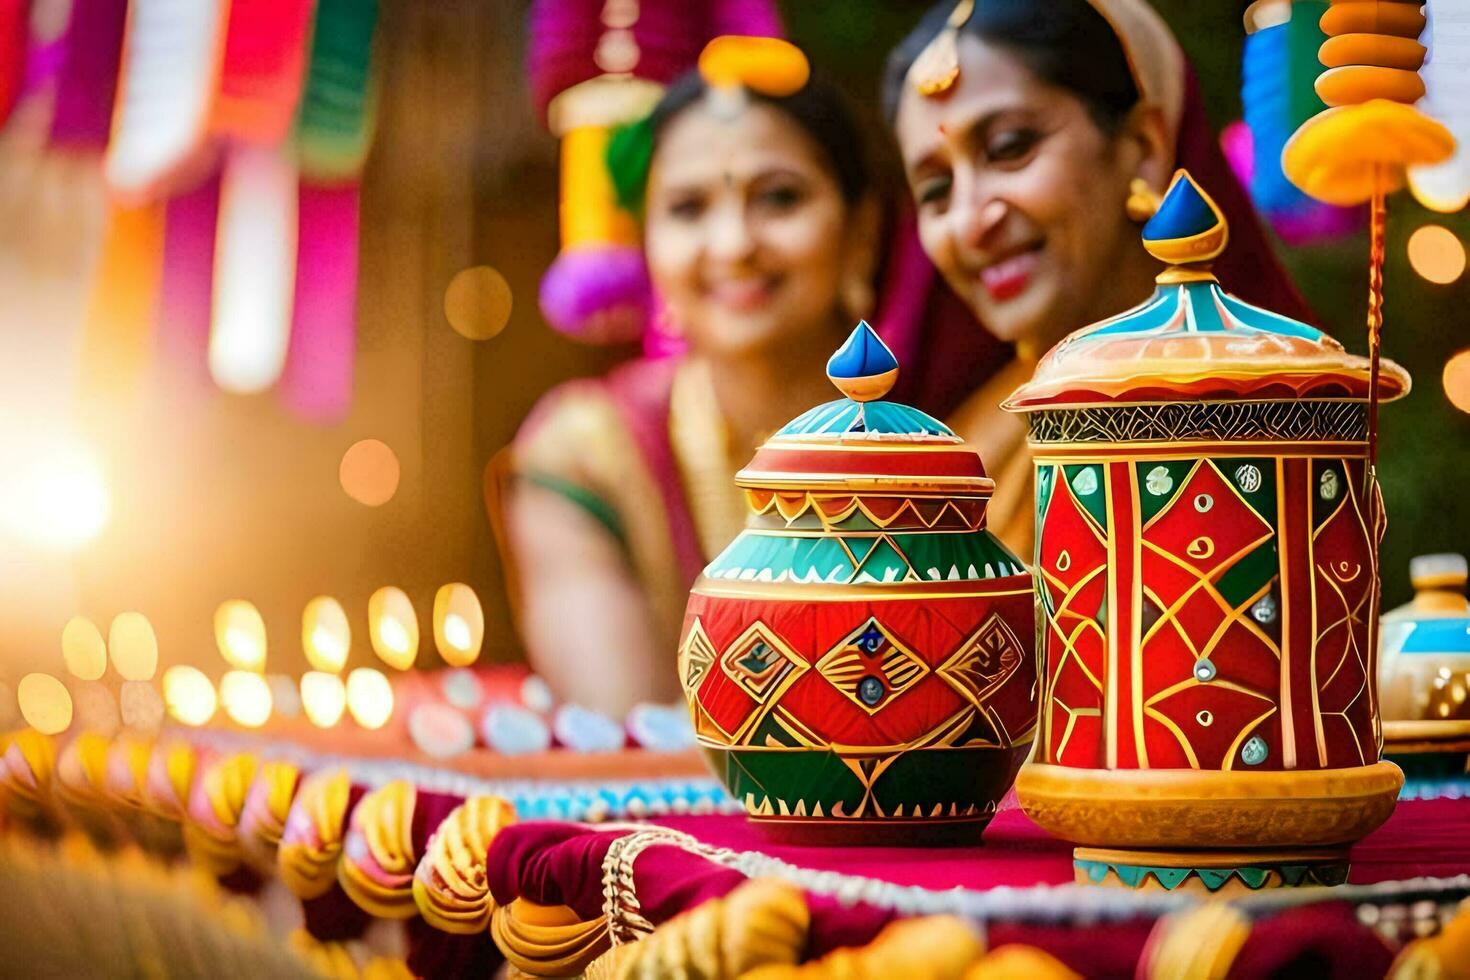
(857, 298)
(1143, 200)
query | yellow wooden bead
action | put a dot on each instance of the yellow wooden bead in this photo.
(1373, 17)
(1340, 155)
(767, 65)
(1382, 50)
(1356, 84)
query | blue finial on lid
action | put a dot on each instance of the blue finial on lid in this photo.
(863, 368)
(1188, 226)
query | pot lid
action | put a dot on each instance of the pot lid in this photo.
(1193, 341)
(862, 443)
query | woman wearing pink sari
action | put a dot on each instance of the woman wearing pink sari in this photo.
(1029, 131)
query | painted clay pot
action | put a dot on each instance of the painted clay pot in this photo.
(859, 661)
(1424, 674)
(1207, 569)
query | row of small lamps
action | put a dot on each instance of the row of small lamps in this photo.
(326, 636)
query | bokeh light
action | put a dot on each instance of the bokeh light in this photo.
(326, 636)
(369, 472)
(323, 697)
(369, 697)
(44, 703)
(53, 494)
(477, 303)
(94, 709)
(1457, 380)
(393, 627)
(239, 631)
(142, 708)
(83, 649)
(246, 697)
(459, 624)
(189, 695)
(284, 696)
(132, 646)
(1436, 254)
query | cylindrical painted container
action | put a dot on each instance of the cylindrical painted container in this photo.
(859, 662)
(1206, 560)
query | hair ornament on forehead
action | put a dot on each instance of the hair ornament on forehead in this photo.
(1155, 59)
(767, 65)
(937, 67)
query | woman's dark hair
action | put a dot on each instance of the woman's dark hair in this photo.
(817, 107)
(1065, 43)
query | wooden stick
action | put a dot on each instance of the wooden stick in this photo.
(1376, 228)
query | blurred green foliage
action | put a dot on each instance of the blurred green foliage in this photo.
(1425, 459)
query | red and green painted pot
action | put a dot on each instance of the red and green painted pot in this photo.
(859, 661)
(1207, 569)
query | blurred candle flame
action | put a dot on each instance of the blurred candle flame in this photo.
(189, 695)
(369, 697)
(326, 635)
(247, 697)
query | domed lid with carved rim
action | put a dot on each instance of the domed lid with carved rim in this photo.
(862, 444)
(1192, 341)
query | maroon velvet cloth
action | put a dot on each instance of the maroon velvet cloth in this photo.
(561, 864)
(1314, 941)
(436, 955)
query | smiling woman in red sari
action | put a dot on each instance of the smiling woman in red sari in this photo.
(1033, 135)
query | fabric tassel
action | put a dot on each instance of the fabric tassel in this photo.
(1445, 187)
(188, 275)
(1278, 71)
(335, 126)
(170, 64)
(263, 70)
(254, 270)
(87, 82)
(13, 17)
(118, 328)
(317, 384)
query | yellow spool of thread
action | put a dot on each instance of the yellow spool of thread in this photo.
(590, 214)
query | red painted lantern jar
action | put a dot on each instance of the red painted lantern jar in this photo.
(860, 661)
(1207, 565)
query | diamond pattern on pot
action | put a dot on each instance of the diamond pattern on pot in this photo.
(986, 659)
(871, 667)
(759, 662)
(696, 655)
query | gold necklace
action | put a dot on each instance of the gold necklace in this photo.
(700, 440)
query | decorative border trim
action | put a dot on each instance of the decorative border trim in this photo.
(1286, 421)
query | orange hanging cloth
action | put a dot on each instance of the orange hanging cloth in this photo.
(118, 330)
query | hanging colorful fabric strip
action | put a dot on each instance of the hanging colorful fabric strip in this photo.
(263, 69)
(318, 381)
(45, 42)
(254, 269)
(1446, 186)
(1278, 70)
(188, 274)
(336, 123)
(170, 65)
(118, 328)
(13, 14)
(87, 81)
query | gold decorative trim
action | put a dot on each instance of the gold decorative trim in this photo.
(751, 589)
(1167, 808)
(1426, 730)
